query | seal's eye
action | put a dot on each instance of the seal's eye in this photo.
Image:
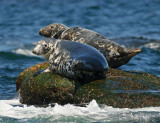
(45, 45)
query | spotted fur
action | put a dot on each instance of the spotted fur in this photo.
(115, 54)
(72, 59)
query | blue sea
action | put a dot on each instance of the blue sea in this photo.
(131, 23)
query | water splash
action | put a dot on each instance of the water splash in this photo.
(153, 45)
(91, 113)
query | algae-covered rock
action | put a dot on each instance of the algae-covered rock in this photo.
(45, 88)
(119, 89)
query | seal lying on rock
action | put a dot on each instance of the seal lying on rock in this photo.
(115, 54)
(73, 60)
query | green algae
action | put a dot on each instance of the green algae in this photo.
(125, 89)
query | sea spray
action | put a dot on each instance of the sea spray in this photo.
(93, 112)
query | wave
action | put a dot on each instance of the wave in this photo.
(138, 42)
(26, 52)
(153, 45)
(129, 42)
(91, 113)
(18, 54)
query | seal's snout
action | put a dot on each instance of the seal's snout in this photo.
(44, 32)
(34, 52)
(40, 32)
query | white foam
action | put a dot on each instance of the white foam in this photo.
(24, 52)
(34, 43)
(153, 45)
(13, 109)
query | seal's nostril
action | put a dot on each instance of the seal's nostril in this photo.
(33, 52)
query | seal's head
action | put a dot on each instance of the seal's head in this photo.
(42, 47)
(53, 30)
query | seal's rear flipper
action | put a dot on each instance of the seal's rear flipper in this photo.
(131, 54)
(134, 52)
(116, 62)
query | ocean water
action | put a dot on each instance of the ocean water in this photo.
(133, 24)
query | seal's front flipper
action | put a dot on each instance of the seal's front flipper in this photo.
(38, 72)
(42, 71)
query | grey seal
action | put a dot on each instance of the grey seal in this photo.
(115, 54)
(71, 59)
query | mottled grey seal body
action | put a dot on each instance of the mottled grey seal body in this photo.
(115, 54)
(72, 59)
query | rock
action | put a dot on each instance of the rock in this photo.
(120, 89)
(45, 88)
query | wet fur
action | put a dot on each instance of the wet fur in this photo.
(73, 60)
(115, 54)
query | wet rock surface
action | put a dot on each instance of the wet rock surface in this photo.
(123, 89)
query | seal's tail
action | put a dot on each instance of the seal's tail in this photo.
(133, 52)
(125, 58)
